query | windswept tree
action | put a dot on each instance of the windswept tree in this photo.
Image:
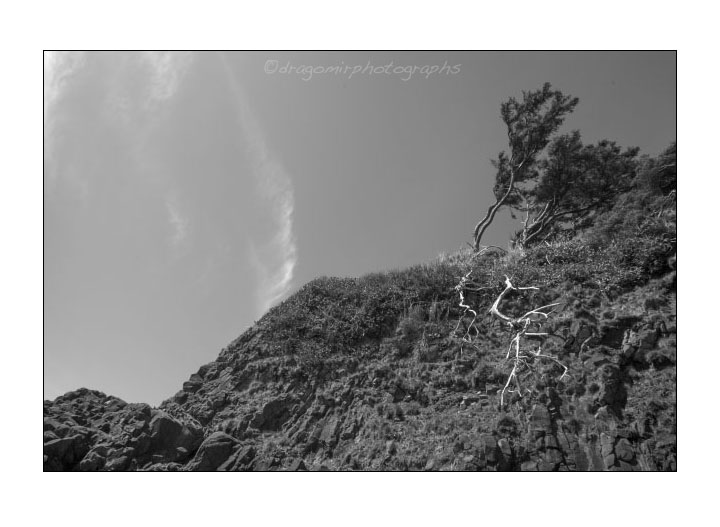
(531, 124)
(554, 180)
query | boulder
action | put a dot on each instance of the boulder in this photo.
(624, 450)
(239, 460)
(213, 452)
(120, 459)
(92, 462)
(168, 435)
(274, 414)
(193, 384)
(64, 453)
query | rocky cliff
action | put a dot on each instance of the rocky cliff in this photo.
(398, 391)
(390, 372)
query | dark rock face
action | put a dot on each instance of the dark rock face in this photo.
(116, 435)
(213, 452)
(65, 452)
(273, 414)
(172, 440)
(241, 459)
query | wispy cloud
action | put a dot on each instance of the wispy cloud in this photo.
(178, 222)
(139, 85)
(59, 67)
(167, 70)
(274, 259)
(159, 74)
(134, 86)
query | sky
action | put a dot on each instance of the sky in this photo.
(186, 193)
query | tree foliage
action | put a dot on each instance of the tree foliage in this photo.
(659, 174)
(531, 123)
(573, 182)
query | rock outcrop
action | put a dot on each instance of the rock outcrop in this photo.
(261, 406)
(390, 372)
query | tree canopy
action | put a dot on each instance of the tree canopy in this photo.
(572, 182)
(554, 180)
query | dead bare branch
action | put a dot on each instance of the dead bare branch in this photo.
(522, 324)
(460, 288)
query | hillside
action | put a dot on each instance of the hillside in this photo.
(389, 372)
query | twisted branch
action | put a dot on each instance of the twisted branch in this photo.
(460, 288)
(522, 325)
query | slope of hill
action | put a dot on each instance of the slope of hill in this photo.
(390, 372)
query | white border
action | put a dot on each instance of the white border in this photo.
(357, 499)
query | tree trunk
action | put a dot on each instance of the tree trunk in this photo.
(487, 220)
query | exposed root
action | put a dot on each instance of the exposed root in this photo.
(460, 289)
(522, 325)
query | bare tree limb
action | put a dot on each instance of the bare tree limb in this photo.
(490, 215)
(522, 325)
(460, 288)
